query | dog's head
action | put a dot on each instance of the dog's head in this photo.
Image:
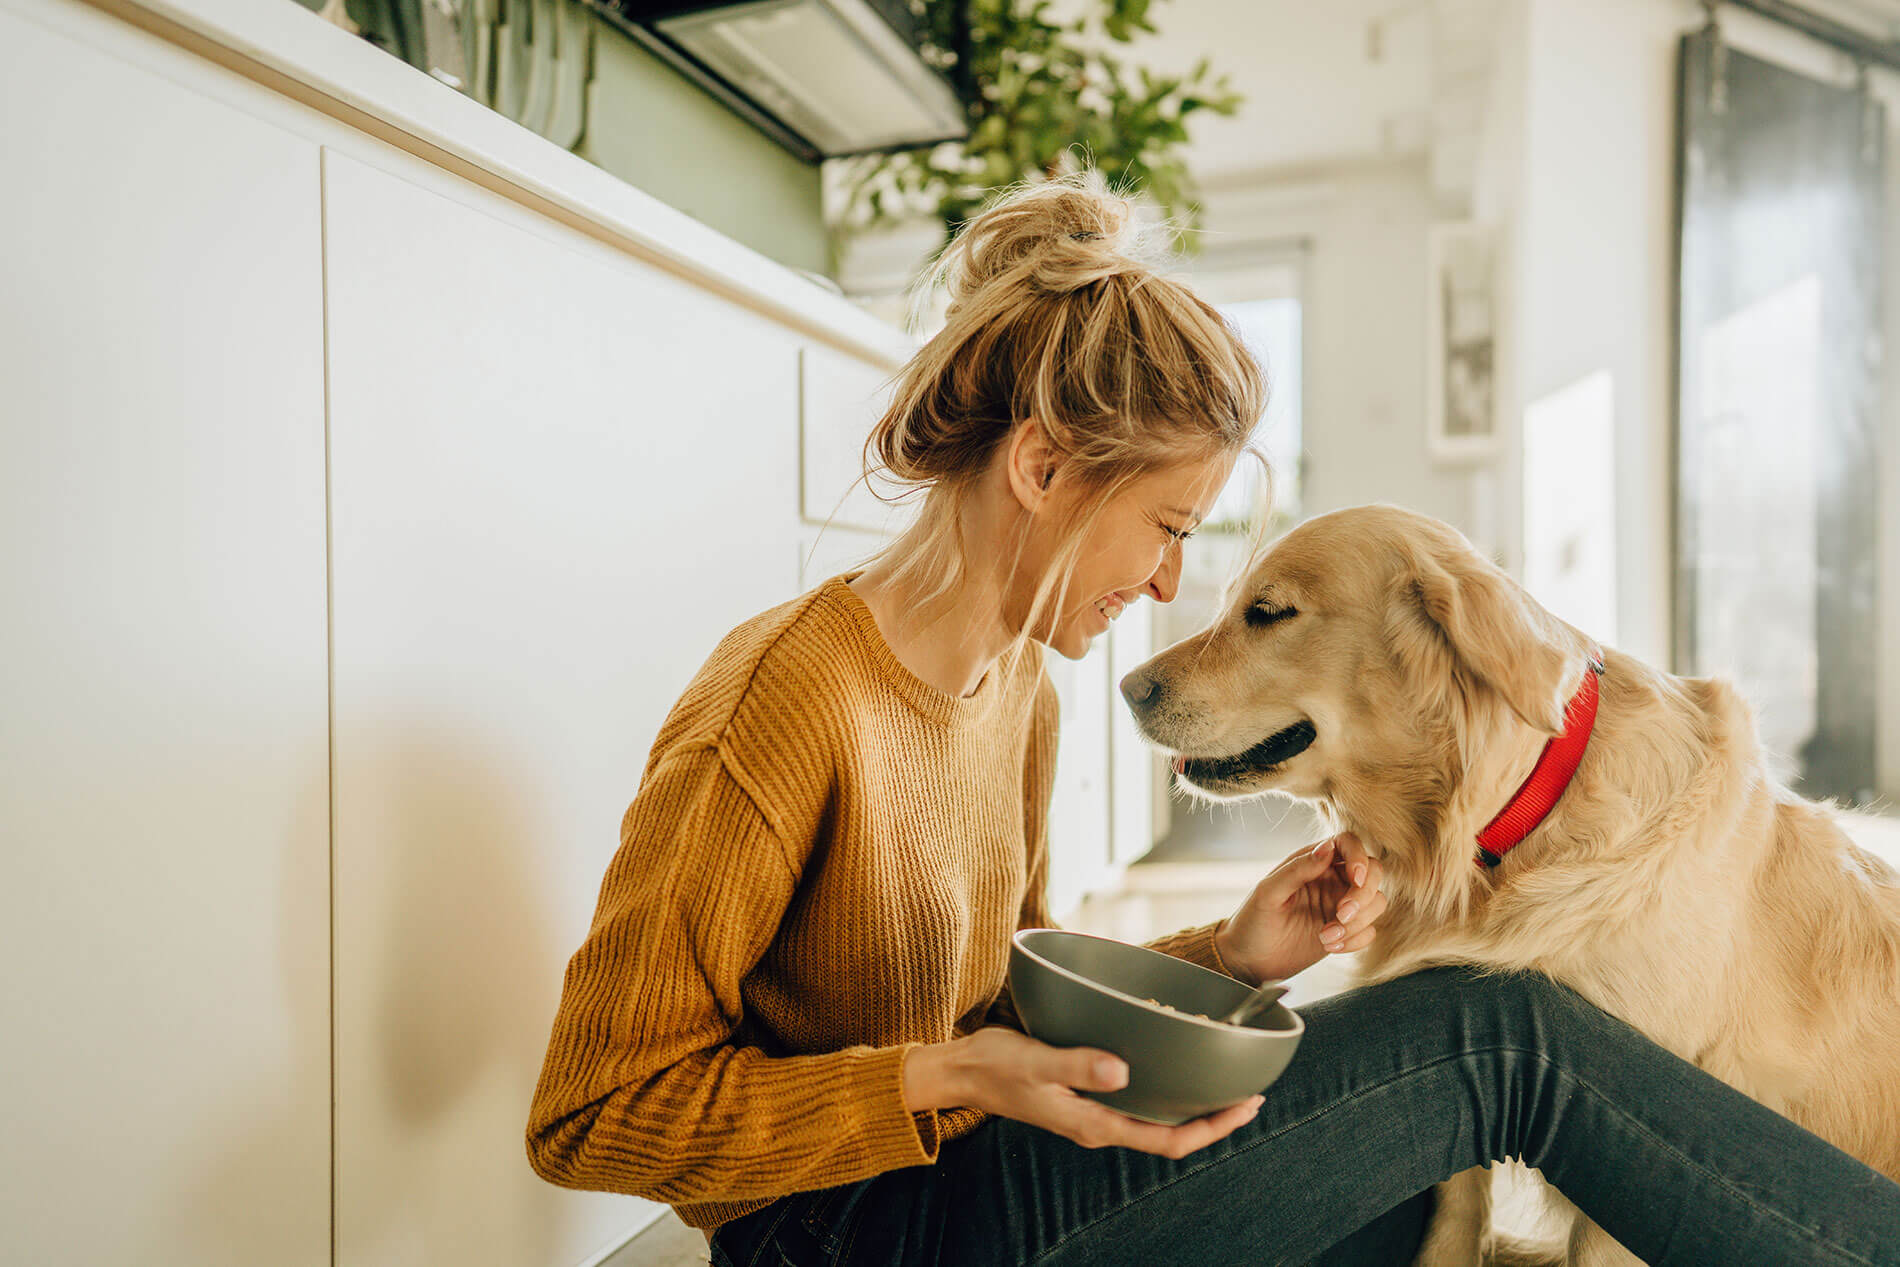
(1367, 662)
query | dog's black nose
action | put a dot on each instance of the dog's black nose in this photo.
(1141, 691)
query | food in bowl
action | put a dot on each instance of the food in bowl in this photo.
(1155, 1012)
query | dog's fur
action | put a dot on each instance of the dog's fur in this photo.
(1675, 883)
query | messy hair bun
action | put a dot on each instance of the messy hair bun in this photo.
(1051, 238)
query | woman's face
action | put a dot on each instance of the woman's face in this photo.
(1134, 548)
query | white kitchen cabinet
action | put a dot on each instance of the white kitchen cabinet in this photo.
(558, 477)
(1079, 858)
(164, 736)
(1102, 812)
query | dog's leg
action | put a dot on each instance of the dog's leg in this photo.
(1460, 1223)
(1591, 1246)
(1530, 1220)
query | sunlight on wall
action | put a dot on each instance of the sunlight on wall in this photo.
(1570, 504)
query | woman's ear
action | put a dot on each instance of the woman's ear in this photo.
(1032, 464)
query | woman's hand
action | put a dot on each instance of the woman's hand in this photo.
(1013, 1075)
(1319, 901)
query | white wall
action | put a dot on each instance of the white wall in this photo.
(1322, 82)
(1594, 254)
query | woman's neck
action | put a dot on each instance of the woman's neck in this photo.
(951, 641)
(952, 644)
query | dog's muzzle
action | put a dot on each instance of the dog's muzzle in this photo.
(1145, 694)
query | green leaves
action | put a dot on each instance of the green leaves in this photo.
(1044, 89)
(1125, 17)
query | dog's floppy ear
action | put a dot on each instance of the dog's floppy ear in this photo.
(1501, 636)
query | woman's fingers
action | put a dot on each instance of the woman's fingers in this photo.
(1361, 906)
(1097, 1125)
(1356, 913)
(1375, 875)
(1339, 934)
(1354, 862)
(1358, 941)
(1088, 1068)
(1298, 870)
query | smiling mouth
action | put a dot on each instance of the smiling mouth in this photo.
(1275, 750)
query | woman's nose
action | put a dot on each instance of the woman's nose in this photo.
(1166, 582)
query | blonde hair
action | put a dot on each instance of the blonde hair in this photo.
(1060, 316)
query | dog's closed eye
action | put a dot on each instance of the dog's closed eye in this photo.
(1260, 615)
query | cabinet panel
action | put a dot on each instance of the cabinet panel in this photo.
(840, 399)
(559, 476)
(165, 804)
(1079, 861)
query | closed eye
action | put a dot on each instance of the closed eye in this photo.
(1261, 615)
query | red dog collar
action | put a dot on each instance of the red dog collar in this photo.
(1551, 775)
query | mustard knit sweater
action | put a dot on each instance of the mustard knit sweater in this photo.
(820, 871)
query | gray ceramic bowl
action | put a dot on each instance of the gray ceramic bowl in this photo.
(1076, 990)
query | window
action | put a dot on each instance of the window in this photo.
(1263, 299)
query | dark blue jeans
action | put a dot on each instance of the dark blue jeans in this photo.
(1395, 1087)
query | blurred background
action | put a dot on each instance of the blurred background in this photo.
(403, 397)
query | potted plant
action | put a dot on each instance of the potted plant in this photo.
(1037, 91)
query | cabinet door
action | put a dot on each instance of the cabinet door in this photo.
(559, 476)
(164, 807)
(842, 519)
(1079, 859)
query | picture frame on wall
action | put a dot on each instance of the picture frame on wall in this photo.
(1462, 324)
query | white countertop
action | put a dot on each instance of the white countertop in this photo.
(289, 39)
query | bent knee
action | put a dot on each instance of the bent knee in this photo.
(1494, 1006)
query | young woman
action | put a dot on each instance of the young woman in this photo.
(788, 1019)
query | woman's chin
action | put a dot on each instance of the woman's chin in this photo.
(1072, 640)
(1076, 642)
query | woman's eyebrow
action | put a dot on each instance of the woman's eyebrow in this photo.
(1184, 514)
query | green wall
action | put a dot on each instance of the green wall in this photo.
(662, 133)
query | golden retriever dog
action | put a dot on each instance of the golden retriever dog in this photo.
(1372, 663)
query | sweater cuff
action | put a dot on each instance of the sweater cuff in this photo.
(907, 1138)
(1196, 945)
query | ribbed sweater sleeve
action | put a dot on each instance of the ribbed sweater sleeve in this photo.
(1196, 945)
(645, 1088)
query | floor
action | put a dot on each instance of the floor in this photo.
(1202, 870)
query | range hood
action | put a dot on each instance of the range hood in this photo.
(824, 78)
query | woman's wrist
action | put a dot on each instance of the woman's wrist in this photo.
(1230, 963)
(932, 1077)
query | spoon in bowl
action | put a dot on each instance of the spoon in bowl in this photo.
(1264, 996)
